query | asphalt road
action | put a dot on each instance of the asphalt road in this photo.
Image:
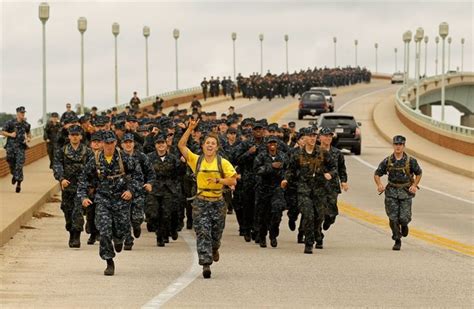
(356, 267)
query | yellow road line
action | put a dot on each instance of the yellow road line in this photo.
(365, 216)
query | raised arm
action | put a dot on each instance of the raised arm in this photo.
(184, 139)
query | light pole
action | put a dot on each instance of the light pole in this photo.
(426, 53)
(436, 59)
(376, 60)
(443, 33)
(234, 37)
(407, 39)
(176, 36)
(286, 43)
(335, 59)
(449, 53)
(82, 27)
(115, 32)
(355, 44)
(418, 38)
(44, 16)
(462, 54)
(146, 34)
(396, 66)
(260, 37)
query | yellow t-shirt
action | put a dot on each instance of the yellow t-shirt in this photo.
(201, 180)
(109, 159)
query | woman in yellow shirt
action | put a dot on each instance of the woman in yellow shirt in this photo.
(209, 209)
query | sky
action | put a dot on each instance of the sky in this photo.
(205, 45)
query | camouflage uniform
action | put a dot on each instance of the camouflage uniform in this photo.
(51, 132)
(334, 186)
(307, 170)
(68, 164)
(16, 146)
(398, 199)
(269, 198)
(112, 212)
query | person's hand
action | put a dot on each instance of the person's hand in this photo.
(182, 159)
(277, 164)
(380, 188)
(344, 186)
(413, 189)
(327, 176)
(212, 180)
(13, 134)
(147, 187)
(232, 188)
(238, 177)
(284, 184)
(253, 149)
(28, 139)
(86, 202)
(65, 183)
(47, 141)
(127, 195)
(193, 124)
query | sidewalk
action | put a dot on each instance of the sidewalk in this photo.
(387, 123)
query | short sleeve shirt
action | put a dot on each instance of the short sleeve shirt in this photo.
(209, 170)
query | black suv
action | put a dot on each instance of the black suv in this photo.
(312, 103)
(346, 129)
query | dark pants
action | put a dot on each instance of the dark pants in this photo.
(16, 160)
(160, 207)
(270, 203)
(91, 228)
(136, 217)
(312, 207)
(72, 209)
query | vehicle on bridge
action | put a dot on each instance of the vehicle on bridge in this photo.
(347, 133)
(397, 77)
(312, 103)
(327, 93)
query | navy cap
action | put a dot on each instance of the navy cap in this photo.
(132, 118)
(309, 131)
(325, 131)
(258, 125)
(101, 121)
(96, 136)
(160, 138)
(54, 114)
(291, 124)
(272, 139)
(398, 139)
(75, 130)
(109, 136)
(20, 109)
(120, 125)
(232, 130)
(128, 137)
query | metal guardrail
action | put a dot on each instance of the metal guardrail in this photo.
(406, 106)
(38, 131)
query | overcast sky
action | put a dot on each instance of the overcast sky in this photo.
(205, 45)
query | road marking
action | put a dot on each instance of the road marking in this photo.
(278, 115)
(183, 281)
(361, 97)
(440, 241)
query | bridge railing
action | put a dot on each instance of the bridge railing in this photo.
(406, 106)
(38, 131)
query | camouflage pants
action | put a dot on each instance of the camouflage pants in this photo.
(270, 205)
(51, 149)
(159, 214)
(313, 209)
(399, 213)
(16, 160)
(292, 204)
(332, 210)
(209, 223)
(136, 217)
(112, 218)
(72, 209)
(248, 209)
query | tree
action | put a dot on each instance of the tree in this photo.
(4, 117)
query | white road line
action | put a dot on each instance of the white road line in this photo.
(374, 167)
(183, 281)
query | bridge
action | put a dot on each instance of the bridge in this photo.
(357, 247)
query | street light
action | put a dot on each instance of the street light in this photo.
(82, 27)
(426, 53)
(449, 53)
(462, 54)
(115, 32)
(44, 16)
(418, 38)
(436, 59)
(407, 39)
(443, 33)
(146, 34)
(396, 66)
(286, 43)
(355, 43)
(260, 37)
(234, 37)
(335, 59)
(376, 60)
(176, 36)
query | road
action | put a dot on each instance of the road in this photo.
(356, 267)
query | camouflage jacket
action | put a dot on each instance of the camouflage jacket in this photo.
(68, 164)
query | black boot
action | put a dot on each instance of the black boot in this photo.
(71, 239)
(91, 239)
(397, 245)
(128, 247)
(308, 249)
(273, 242)
(174, 235)
(319, 244)
(118, 246)
(292, 225)
(76, 239)
(137, 231)
(189, 224)
(13, 180)
(18, 187)
(404, 230)
(110, 270)
(160, 242)
(300, 238)
(263, 242)
(247, 237)
(206, 271)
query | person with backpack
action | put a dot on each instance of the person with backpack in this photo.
(404, 175)
(212, 173)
